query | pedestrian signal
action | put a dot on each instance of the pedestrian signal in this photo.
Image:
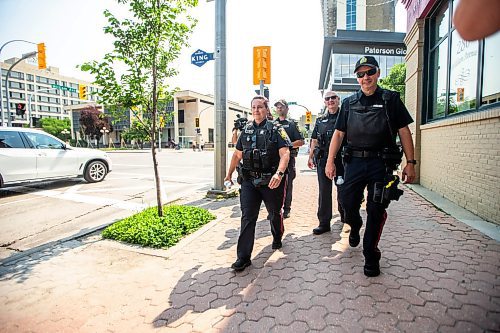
(308, 117)
(82, 91)
(261, 64)
(42, 62)
(197, 122)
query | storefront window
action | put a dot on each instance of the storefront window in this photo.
(491, 79)
(441, 24)
(440, 72)
(455, 78)
(463, 74)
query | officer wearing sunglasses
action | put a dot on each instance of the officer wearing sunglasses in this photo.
(318, 155)
(370, 120)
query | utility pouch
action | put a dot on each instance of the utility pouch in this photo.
(384, 192)
(263, 180)
(346, 154)
(239, 170)
(294, 152)
(247, 159)
(392, 157)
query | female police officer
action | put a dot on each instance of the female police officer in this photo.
(369, 120)
(264, 148)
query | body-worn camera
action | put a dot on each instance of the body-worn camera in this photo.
(239, 122)
(387, 191)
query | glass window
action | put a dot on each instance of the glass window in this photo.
(439, 74)
(17, 75)
(181, 116)
(42, 141)
(10, 139)
(491, 79)
(42, 79)
(344, 65)
(441, 24)
(16, 85)
(16, 95)
(463, 74)
(30, 77)
(351, 15)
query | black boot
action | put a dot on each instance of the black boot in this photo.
(321, 229)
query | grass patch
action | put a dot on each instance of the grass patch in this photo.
(147, 229)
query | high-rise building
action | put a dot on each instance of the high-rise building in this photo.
(352, 29)
(371, 15)
(45, 92)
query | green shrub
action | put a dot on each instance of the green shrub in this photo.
(147, 229)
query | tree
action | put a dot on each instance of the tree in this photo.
(145, 47)
(137, 132)
(396, 80)
(55, 126)
(92, 120)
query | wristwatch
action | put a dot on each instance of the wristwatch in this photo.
(280, 173)
(412, 161)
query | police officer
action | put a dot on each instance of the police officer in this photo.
(264, 148)
(297, 140)
(318, 155)
(370, 120)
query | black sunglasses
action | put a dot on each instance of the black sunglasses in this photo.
(330, 98)
(370, 72)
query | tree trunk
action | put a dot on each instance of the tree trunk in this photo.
(153, 147)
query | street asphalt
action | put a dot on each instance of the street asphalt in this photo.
(438, 275)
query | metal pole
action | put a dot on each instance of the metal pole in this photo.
(220, 95)
(261, 88)
(28, 55)
(1, 90)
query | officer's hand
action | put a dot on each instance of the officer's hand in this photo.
(330, 170)
(310, 163)
(408, 174)
(275, 181)
(228, 178)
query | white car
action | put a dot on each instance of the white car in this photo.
(28, 155)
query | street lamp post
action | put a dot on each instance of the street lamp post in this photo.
(104, 131)
(27, 55)
(64, 133)
(1, 89)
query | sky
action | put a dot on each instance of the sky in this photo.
(72, 31)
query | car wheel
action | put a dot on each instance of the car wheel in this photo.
(95, 172)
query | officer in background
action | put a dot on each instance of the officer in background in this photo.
(370, 120)
(297, 140)
(264, 148)
(318, 155)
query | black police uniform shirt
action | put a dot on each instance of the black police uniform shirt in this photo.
(291, 129)
(329, 117)
(396, 110)
(281, 138)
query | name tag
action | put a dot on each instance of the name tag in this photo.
(378, 106)
(249, 131)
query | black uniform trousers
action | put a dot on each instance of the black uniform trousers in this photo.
(289, 185)
(359, 174)
(325, 192)
(251, 198)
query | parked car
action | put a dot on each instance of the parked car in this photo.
(28, 155)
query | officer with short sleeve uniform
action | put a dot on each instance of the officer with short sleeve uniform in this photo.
(297, 140)
(318, 155)
(370, 120)
(264, 149)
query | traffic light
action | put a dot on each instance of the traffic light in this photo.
(266, 92)
(42, 63)
(20, 109)
(197, 122)
(308, 117)
(261, 64)
(82, 91)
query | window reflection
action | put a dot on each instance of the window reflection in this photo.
(440, 72)
(463, 74)
(491, 79)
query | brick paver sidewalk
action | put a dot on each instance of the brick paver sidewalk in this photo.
(438, 275)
